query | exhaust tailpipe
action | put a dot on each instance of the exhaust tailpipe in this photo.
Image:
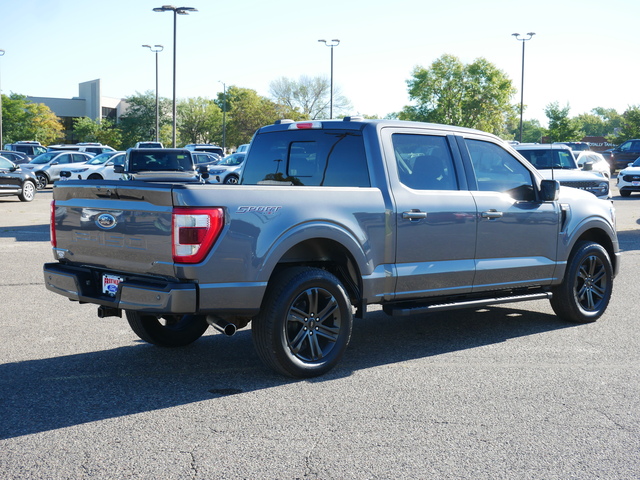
(221, 325)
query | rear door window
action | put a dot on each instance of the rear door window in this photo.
(424, 162)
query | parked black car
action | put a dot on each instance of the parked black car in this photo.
(16, 157)
(625, 153)
(14, 181)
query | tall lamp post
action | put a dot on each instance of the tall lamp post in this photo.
(1, 144)
(156, 49)
(334, 43)
(224, 116)
(523, 40)
(176, 11)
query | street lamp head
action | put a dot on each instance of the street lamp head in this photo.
(334, 43)
(177, 10)
(154, 48)
(517, 35)
(1, 52)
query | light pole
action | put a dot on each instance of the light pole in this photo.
(176, 11)
(523, 40)
(334, 43)
(1, 144)
(224, 116)
(156, 49)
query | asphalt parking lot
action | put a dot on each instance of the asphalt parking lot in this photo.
(505, 392)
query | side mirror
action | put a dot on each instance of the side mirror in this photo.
(550, 190)
(587, 166)
(118, 169)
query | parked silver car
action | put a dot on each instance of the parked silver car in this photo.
(47, 166)
(227, 170)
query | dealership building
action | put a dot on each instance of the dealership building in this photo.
(89, 103)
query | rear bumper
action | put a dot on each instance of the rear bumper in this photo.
(84, 285)
(153, 295)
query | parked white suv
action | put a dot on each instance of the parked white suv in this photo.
(91, 148)
(99, 167)
(556, 162)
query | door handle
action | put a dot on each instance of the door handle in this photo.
(492, 214)
(414, 215)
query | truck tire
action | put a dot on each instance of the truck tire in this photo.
(167, 331)
(586, 289)
(304, 324)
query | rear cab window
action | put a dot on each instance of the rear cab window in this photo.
(332, 158)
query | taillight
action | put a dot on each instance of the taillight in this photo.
(194, 232)
(52, 224)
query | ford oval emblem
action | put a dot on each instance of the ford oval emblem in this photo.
(106, 221)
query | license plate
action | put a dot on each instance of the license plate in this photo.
(635, 184)
(110, 284)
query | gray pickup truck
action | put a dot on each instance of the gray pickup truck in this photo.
(330, 217)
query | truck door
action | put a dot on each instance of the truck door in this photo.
(517, 234)
(435, 219)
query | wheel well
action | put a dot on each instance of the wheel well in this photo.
(600, 237)
(328, 255)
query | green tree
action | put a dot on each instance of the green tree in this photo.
(308, 98)
(200, 121)
(476, 95)
(532, 131)
(630, 124)
(246, 112)
(138, 123)
(23, 120)
(561, 127)
(104, 131)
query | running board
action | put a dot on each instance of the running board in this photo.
(399, 310)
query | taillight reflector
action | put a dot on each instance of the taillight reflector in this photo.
(195, 230)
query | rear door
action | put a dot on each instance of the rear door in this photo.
(435, 214)
(517, 234)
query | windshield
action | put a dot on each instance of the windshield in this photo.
(100, 159)
(44, 158)
(235, 159)
(548, 158)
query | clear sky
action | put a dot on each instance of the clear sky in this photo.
(585, 52)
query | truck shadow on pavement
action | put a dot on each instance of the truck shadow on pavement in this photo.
(53, 393)
(26, 233)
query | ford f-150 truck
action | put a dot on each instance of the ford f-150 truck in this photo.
(330, 217)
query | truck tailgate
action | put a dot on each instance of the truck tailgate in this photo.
(120, 226)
